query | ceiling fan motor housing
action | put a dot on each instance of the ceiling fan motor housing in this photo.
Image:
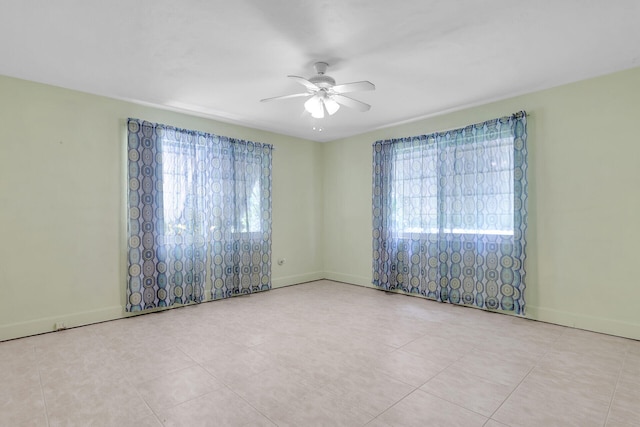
(322, 80)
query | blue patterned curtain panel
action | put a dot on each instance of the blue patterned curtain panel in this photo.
(449, 214)
(199, 216)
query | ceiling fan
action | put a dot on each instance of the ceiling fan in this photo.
(325, 94)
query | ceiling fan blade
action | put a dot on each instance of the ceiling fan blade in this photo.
(353, 87)
(294, 95)
(306, 83)
(351, 103)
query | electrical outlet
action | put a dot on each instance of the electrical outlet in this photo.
(60, 326)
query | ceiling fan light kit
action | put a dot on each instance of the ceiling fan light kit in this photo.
(324, 95)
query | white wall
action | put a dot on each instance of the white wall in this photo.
(62, 216)
(584, 171)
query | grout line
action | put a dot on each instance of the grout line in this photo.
(615, 389)
(44, 399)
(513, 391)
(249, 403)
(151, 411)
(457, 404)
(527, 374)
(394, 404)
(419, 388)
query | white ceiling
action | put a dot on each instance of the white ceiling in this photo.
(219, 58)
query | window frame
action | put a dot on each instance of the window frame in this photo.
(505, 143)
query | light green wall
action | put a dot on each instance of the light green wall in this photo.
(584, 173)
(62, 216)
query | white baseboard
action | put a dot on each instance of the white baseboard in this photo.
(586, 322)
(281, 282)
(348, 278)
(71, 320)
(563, 318)
(48, 324)
(575, 320)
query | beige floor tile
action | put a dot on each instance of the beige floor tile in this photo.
(320, 408)
(319, 366)
(469, 391)
(603, 365)
(17, 357)
(631, 367)
(125, 346)
(22, 404)
(249, 337)
(634, 348)
(244, 363)
(398, 338)
(593, 344)
(628, 386)
(18, 375)
(625, 406)
(624, 412)
(372, 391)
(358, 341)
(326, 353)
(533, 404)
(21, 399)
(59, 372)
(177, 387)
(377, 422)
(583, 385)
(220, 408)
(289, 345)
(150, 364)
(619, 424)
(502, 368)
(272, 390)
(203, 348)
(526, 345)
(423, 409)
(406, 367)
(438, 349)
(99, 402)
(148, 421)
(67, 340)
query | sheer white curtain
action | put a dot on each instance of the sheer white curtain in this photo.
(449, 214)
(199, 216)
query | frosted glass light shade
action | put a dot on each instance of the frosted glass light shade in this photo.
(314, 106)
(331, 106)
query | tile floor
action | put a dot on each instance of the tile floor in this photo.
(321, 354)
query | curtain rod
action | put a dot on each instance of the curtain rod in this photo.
(516, 115)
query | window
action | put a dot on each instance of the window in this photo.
(465, 188)
(182, 187)
(449, 214)
(199, 216)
